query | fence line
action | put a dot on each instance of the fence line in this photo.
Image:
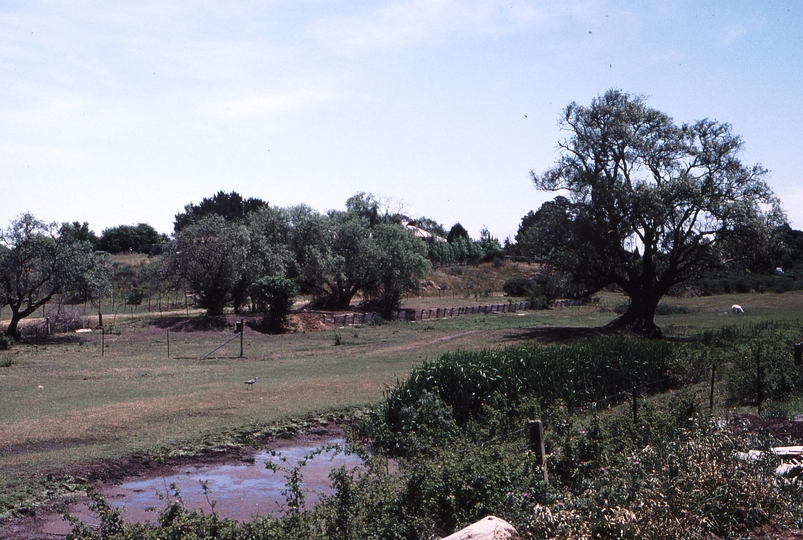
(354, 318)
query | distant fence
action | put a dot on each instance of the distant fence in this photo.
(351, 319)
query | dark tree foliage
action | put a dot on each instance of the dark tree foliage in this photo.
(431, 226)
(128, 238)
(649, 202)
(230, 206)
(791, 253)
(274, 297)
(78, 232)
(457, 231)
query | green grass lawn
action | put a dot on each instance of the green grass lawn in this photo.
(65, 403)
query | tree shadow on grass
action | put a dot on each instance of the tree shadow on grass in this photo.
(201, 323)
(559, 334)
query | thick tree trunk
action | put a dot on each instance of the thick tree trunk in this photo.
(639, 317)
(13, 329)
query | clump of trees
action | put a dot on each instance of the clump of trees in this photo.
(333, 256)
(128, 238)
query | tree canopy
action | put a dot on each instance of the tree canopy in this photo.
(649, 202)
(39, 261)
(229, 206)
(210, 257)
(127, 238)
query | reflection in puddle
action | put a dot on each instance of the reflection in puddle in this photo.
(242, 491)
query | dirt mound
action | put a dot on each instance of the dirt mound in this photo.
(306, 322)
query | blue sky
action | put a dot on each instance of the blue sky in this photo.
(122, 112)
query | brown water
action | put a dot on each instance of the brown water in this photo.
(242, 491)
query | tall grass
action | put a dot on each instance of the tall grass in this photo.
(577, 374)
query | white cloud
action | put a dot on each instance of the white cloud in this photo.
(301, 96)
(415, 21)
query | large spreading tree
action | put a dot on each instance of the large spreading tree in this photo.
(39, 261)
(649, 202)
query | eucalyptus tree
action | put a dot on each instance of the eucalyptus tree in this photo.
(41, 260)
(649, 202)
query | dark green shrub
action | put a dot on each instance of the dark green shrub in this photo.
(135, 297)
(518, 286)
(274, 296)
(5, 342)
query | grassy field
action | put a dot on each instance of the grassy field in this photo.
(64, 402)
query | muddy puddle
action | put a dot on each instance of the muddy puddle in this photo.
(240, 491)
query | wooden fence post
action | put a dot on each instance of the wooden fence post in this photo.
(536, 431)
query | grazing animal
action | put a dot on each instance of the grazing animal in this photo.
(736, 308)
(251, 381)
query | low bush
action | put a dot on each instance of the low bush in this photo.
(518, 286)
(5, 342)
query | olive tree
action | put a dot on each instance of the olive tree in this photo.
(209, 256)
(400, 262)
(649, 202)
(39, 261)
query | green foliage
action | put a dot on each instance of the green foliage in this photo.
(763, 370)
(210, 256)
(274, 296)
(712, 283)
(127, 238)
(340, 254)
(399, 265)
(457, 231)
(578, 374)
(6, 342)
(518, 286)
(229, 206)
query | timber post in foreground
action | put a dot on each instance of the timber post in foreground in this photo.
(536, 430)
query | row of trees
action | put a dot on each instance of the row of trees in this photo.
(645, 204)
(333, 256)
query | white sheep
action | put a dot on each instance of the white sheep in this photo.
(736, 308)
